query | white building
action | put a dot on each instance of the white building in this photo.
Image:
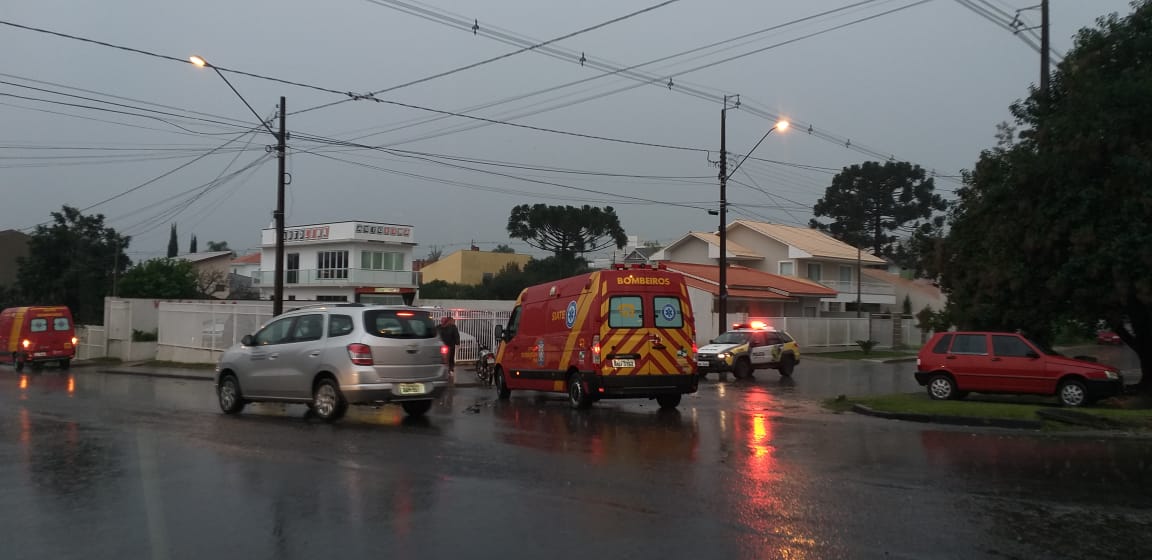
(343, 261)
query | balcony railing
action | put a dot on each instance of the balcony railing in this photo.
(337, 277)
(871, 288)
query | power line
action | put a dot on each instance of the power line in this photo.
(503, 56)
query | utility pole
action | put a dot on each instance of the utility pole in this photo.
(278, 215)
(1045, 48)
(859, 281)
(722, 310)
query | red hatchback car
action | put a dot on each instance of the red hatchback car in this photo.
(955, 363)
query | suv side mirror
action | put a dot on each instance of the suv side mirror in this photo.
(498, 332)
(247, 340)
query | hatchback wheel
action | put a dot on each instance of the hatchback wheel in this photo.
(1073, 393)
(327, 401)
(941, 387)
(228, 393)
(416, 408)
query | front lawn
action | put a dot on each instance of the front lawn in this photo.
(987, 406)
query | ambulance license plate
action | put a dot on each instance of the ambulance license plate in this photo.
(623, 362)
(411, 388)
(39, 354)
(702, 362)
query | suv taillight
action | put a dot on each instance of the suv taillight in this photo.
(444, 353)
(361, 354)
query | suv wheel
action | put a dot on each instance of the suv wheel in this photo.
(1073, 393)
(941, 387)
(416, 408)
(228, 393)
(327, 401)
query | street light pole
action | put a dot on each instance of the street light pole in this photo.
(278, 213)
(722, 309)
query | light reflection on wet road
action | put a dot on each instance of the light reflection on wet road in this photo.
(117, 466)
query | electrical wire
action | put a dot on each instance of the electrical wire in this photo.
(503, 56)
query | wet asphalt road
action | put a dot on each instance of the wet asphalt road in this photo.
(107, 466)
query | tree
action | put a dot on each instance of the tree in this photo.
(503, 248)
(434, 254)
(566, 231)
(870, 203)
(192, 245)
(218, 246)
(160, 278)
(71, 261)
(1052, 223)
(173, 246)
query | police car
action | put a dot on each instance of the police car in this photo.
(749, 347)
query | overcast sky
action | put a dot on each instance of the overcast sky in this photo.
(925, 84)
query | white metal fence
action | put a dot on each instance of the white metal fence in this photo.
(476, 328)
(822, 332)
(92, 342)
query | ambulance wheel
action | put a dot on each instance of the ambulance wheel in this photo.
(577, 395)
(502, 390)
(742, 369)
(668, 401)
(65, 364)
(37, 366)
(787, 364)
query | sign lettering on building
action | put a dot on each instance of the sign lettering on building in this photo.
(306, 233)
(377, 229)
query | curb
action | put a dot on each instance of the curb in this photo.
(157, 374)
(950, 420)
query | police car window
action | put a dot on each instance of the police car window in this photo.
(784, 337)
(669, 314)
(38, 325)
(61, 324)
(731, 338)
(626, 312)
(339, 325)
(773, 338)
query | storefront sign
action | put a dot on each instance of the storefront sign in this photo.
(306, 234)
(377, 229)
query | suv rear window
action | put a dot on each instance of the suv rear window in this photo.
(393, 323)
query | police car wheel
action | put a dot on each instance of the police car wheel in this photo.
(787, 364)
(742, 369)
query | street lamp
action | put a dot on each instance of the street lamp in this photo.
(781, 125)
(278, 214)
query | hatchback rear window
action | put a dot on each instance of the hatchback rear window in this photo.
(941, 346)
(392, 323)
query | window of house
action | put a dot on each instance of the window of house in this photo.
(331, 298)
(292, 266)
(787, 268)
(381, 260)
(332, 264)
(845, 274)
(814, 270)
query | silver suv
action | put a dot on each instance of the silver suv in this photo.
(331, 356)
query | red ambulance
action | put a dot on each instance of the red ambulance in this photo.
(627, 332)
(37, 335)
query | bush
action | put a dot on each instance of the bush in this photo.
(144, 336)
(867, 345)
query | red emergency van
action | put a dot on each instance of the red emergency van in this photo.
(35, 335)
(619, 333)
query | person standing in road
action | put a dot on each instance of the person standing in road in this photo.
(450, 336)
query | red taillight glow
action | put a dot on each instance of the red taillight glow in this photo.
(443, 350)
(695, 348)
(75, 340)
(360, 354)
(26, 343)
(404, 314)
(596, 349)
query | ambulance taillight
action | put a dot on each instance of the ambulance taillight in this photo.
(596, 349)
